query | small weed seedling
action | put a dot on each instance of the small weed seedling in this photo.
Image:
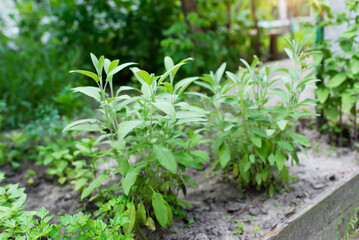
(240, 229)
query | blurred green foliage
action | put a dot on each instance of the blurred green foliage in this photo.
(57, 35)
(34, 70)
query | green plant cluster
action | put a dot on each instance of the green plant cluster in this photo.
(339, 71)
(17, 223)
(146, 135)
(154, 135)
(254, 139)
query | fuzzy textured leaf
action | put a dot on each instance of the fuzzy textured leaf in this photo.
(160, 209)
(165, 157)
(336, 80)
(93, 185)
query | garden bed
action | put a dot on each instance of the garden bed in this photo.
(218, 205)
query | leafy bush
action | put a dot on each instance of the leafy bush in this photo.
(254, 139)
(145, 135)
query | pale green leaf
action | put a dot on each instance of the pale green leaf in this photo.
(89, 120)
(131, 215)
(224, 156)
(336, 80)
(256, 141)
(160, 209)
(282, 124)
(125, 128)
(129, 180)
(168, 63)
(93, 185)
(183, 84)
(354, 65)
(270, 132)
(166, 107)
(285, 145)
(347, 102)
(117, 69)
(300, 139)
(279, 159)
(165, 157)
(322, 94)
(87, 73)
(93, 92)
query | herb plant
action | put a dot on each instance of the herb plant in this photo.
(145, 136)
(254, 139)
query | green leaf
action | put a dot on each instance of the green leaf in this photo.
(256, 141)
(347, 102)
(258, 178)
(300, 139)
(285, 145)
(169, 87)
(95, 184)
(219, 73)
(281, 93)
(145, 76)
(166, 107)
(168, 63)
(93, 92)
(129, 180)
(271, 159)
(201, 154)
(282, 124)
(183, 84)
(224, 155)
(94, 61)
(123, 165)
(173, 70)
(279, 159)
(270, 132)
(336, 80)
(169, 214)
(131, 215)
(331, 113)
(80, 183)
(117, 69)
(86, 128)
(107, 64)
(113, 65)
(101, 62)
(322, 94)
(87, 73)
(165, 157)
(160, 209)
(317, 58)
(89, 120)
(354, 65)
(141, 214)
(125, 128)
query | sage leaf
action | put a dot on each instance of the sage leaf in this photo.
(93, 185)
(160, 209)
(165, 157)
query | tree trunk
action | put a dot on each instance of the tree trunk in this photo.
(190, 6)
(257, 40)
